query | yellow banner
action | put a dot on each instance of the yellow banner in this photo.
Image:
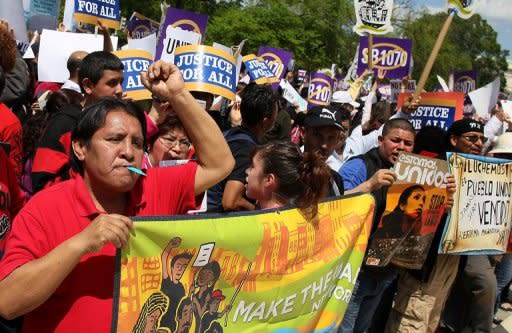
(267, 271)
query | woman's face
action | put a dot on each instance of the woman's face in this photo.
(415, 202)
(205, 276)
(255, 179)
(172, 145)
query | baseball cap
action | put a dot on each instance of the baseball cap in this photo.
(343, 97)
(217, 294)
(323, 116)
(464, 126)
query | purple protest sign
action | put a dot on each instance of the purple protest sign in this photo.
(257, 69)
(139, 28)
(277, 60)
(465, 81)
(391, 54)
(179, 18)
(320, 89)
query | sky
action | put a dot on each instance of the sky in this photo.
(496, 12)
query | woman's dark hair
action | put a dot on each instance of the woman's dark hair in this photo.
(407, 193)
(8, 50)
(214, 267)
(301, 178)
(61, 98)
(35, 125)
(431, 140)
(93, 118)
(2, 80)
(170, 122)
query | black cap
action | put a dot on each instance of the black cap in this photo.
(464, 126)
(323, 116)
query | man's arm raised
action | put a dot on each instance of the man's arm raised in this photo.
(214, 157)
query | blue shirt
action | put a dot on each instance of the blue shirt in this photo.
(353, 173)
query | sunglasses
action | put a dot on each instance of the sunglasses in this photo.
(475, 138)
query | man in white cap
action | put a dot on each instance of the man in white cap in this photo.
(344, 99)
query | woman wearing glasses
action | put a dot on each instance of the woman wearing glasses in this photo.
(170, 143)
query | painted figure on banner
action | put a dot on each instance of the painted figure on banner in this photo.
(212, 313)
(171, 276)
(150, 316)
(201, 291)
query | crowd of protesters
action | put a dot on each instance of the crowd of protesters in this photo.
(67, 188)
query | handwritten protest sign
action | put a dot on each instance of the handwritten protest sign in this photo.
(257, 69)
(415, 204)
(439, 109)
(479, 221)
(373, 17)
(465, 81)
(320, 89)
(207, 69)
(265, 271)
(277, 60)
(176, 20)
(106, 11)
(390, 54)
(135, 61)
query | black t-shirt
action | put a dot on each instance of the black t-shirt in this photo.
(207, 320)
(241, 142)
(175, 292)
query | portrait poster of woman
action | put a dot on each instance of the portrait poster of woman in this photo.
(408, 225)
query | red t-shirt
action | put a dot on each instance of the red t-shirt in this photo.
(11, 198)
(83, 302)
(11, 132)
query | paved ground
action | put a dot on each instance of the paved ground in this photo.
(506, 324)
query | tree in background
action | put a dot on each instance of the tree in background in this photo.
(470, 44)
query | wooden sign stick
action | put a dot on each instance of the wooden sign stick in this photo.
(433, 55)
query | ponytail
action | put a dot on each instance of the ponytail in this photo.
(302, 179)
(315, 174)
